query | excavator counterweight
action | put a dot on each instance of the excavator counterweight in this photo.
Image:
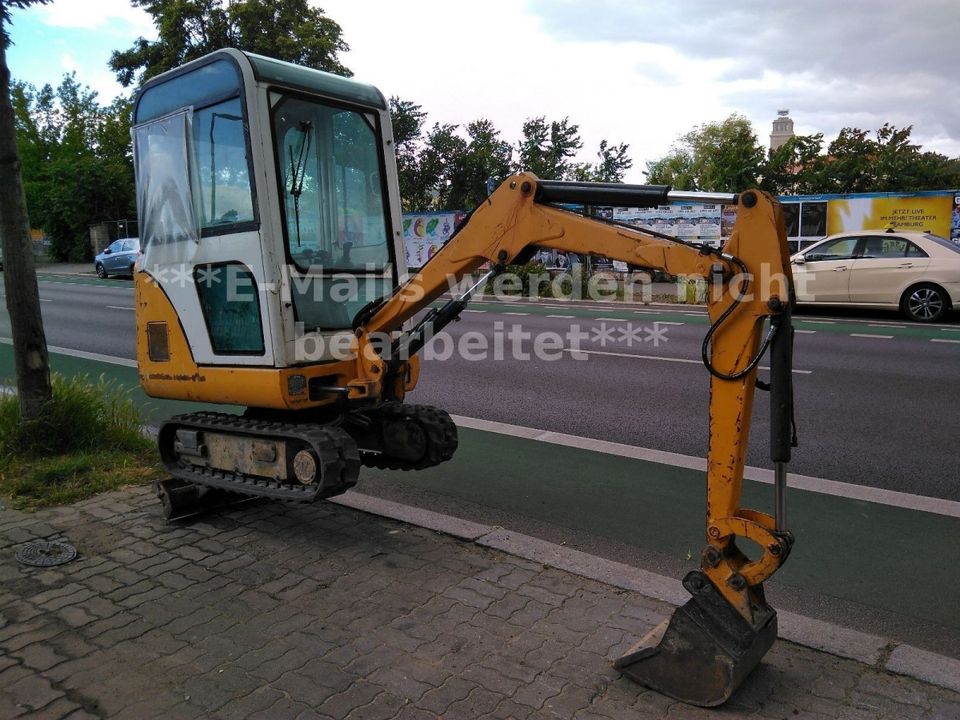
(273, 279)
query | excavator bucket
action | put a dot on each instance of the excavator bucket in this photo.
(703, 653)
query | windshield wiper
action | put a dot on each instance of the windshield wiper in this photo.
(298, 171)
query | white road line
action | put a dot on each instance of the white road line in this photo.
(565, 317)
(664, 322)
(804, 332)
(475, 311)
(817, 322)
(111, 359)
(572, 351)
(949, 329)
(119, 307)
(663, 358)
(610, 319)
(871, 335)
(515, 313)
(936, 506)
(695, 314)
(45, 300)
(885, 325)
(945, 340)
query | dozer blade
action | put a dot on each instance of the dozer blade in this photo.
(705, 651)
(182, 500)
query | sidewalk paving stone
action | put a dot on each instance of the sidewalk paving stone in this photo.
(277, 611)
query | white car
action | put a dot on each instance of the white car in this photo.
(917, 272)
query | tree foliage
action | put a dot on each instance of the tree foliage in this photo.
(290, 30)
(451, 166)
(76, 161)
(547, 148)
(727, 157)
(715, 157)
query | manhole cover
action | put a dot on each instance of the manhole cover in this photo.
(43, 553)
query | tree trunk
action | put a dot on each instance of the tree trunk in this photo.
(19, 273)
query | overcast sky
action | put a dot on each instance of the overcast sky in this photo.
(633, 71)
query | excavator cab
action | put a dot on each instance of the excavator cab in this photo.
(273, 279)
(269, 213)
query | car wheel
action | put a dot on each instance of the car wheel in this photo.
(101, 273)
(925, 303)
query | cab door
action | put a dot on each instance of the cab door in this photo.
(823, 275)
(885, 265)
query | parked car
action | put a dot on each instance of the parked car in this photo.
(117, 258)
(919, 273)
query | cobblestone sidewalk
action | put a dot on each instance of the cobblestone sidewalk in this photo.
(279, 611)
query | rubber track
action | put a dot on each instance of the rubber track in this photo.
(339, 459)
(441, 433)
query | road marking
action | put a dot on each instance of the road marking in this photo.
(818, 322)
(111, 359)
(475, 311)
(632, 355)
(804, 332)
(611, 319)
(45, 300)
(663, 358)
(121, 307)
(515, 313)
(885, 325)
(880, 496)
(945, 340)
(694, 314)
(565, 317)
(949, 329)
(664, 322)
(871, 335)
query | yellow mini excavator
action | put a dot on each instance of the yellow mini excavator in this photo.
(273, 278)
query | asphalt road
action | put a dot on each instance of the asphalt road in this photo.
(872, 411)
(876, 410)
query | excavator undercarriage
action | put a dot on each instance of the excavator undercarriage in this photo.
(297, 459)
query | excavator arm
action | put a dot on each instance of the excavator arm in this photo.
(715, 640)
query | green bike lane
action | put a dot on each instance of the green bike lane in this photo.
(896, 561)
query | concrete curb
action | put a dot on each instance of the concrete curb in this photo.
(879, 652)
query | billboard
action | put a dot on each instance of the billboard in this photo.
(425, 233)
(912, 213)
(688, 221)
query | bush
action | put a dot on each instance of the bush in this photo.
(81, 417)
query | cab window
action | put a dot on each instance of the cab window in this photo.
(839, 249)
(884, 247)
(332, 186)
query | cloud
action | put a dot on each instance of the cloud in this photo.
(834, 64)
(73, 14)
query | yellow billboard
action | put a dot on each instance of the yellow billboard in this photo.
(915, 214)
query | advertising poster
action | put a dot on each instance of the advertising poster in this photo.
(918, 213)
(691, 222)
(425, 233)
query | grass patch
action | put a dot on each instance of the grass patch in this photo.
(87, 441)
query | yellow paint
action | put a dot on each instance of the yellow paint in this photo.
(181, 378)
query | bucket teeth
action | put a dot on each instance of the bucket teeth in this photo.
(704, 652)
